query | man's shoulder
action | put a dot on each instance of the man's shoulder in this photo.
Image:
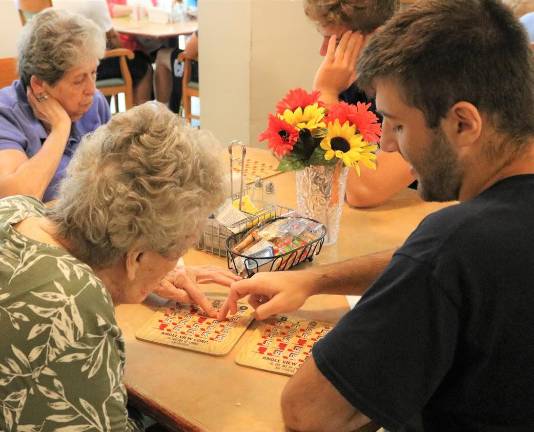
(480, 220)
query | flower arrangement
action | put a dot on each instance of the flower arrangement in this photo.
(304, 132)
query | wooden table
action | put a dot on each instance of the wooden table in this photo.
(156, 30)
(198, 392)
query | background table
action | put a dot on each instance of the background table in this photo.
(155, 30)
(199, 392)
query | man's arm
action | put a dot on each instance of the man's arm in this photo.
(280, 292)
(311, 403)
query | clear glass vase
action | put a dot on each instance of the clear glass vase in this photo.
(321, 194)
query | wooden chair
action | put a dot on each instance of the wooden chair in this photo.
(8, 71)
(28, 8)
(189, 89)
(111, 87)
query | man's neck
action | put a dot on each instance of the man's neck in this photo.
(482, 173)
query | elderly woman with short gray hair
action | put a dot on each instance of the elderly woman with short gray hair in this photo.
(44, 114)
(135, 197)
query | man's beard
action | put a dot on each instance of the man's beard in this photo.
(440, 175)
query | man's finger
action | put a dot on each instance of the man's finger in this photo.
(223, 311)
(274, 306)
(238, 290)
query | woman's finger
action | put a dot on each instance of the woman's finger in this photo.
(198, 297)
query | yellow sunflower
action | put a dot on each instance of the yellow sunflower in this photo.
(309, 118)
(344, 143)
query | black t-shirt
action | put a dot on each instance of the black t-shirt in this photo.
(444, 339)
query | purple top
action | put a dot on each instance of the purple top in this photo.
(21, 130)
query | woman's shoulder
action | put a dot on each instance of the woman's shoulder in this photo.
(16, 208)
(12, 97)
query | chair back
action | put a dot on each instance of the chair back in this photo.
(8, 71)
(28, 8)
(189, 89)
(123, 84)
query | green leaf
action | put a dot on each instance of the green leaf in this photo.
(291, 163)
(317, 158)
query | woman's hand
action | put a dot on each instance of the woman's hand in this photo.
(48, 110)
(181, 285)
(338, 69)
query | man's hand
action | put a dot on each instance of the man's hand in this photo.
(271, 293)
(181, 285)
(338, 69)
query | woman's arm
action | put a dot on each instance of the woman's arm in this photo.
(31, 176)
(374, 187)
(337, 71)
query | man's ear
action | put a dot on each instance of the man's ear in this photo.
(133, 263)
(463, 124)
(37, 85)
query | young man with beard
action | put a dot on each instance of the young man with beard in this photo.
(442, 339)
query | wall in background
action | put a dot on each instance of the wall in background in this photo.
(251, 52)
(11, 28)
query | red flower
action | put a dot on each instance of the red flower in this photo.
(366, 122)
(298, 98)
(359, 115)
(281, 136)
(339, 111)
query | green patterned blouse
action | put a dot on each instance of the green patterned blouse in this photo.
(61, 351)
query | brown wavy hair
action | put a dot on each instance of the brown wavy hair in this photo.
(358, 15)
(443, 52)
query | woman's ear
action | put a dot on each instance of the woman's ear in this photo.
(463, 124)
(133, 263)
(37, 85)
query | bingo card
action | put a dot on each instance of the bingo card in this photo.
(281, 344)
(254, 168)
(185, 326)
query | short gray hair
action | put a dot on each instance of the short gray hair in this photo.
(143, 180)
(55, 41)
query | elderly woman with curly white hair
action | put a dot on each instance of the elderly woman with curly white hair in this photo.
(134, 198)
(44, 114)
